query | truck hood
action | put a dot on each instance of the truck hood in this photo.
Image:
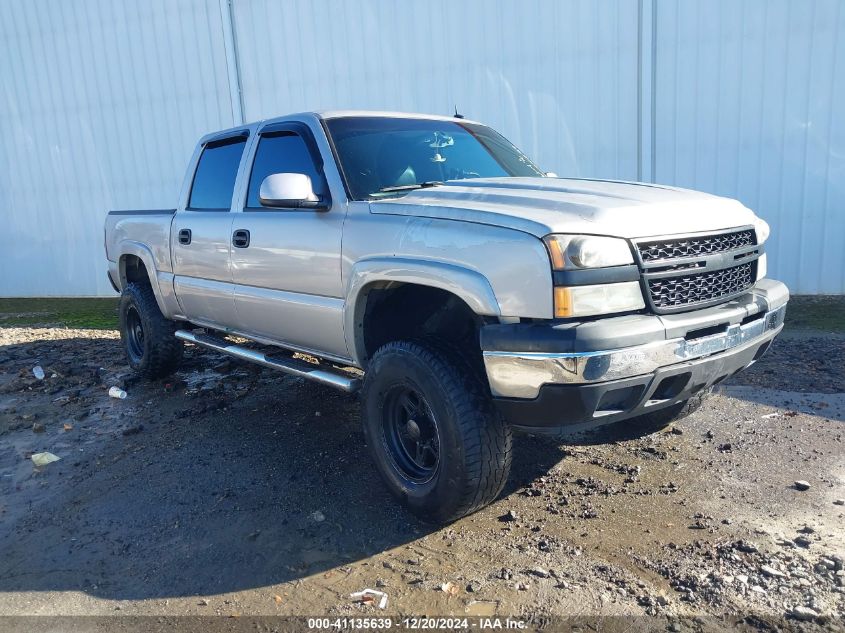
(571, 205)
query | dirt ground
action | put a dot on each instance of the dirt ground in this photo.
(237, 491)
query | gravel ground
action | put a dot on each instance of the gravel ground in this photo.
(233, 490)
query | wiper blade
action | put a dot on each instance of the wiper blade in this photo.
(411, 187)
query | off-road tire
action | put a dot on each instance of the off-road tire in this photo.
(474, 441)
(159, 352)
(675, 412)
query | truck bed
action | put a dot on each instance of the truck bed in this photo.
(149, 227)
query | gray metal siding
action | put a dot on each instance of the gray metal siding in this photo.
(102, 101)
(750, 98)
(559, 79)
(101, 104)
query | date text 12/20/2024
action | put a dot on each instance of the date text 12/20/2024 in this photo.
(417, 623)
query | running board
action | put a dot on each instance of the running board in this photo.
(288, 365)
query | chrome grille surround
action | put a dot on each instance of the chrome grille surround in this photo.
(692, 246)
(688, 272)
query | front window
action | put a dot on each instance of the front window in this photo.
(280, 152)
(383, 156)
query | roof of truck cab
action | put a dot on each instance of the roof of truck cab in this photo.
(337, 114)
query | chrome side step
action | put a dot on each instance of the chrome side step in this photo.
(288, 365)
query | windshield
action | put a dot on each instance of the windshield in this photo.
(383, 156)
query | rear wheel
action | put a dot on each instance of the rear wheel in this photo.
(436, 439)
(148, 337)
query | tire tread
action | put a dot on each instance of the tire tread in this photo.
(487, 438)
(164, 352)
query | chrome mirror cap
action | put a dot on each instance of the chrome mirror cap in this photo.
(287, 190)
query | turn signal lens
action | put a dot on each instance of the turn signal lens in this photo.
(556, 254)
(581, 301)
(563, 303)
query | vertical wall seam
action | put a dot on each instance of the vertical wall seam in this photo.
(646, 95)
(827, 171)
(653, 139)
(640, 90)
(233, 71)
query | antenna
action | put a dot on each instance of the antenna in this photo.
(458, 116)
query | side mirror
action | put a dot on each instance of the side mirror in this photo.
(289, 190)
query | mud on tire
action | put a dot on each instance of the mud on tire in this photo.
(432, 430)
(148, 337)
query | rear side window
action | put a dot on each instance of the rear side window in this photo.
(214, 180)
(282, 152)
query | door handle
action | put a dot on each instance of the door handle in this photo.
(185, 236)
(240, 238)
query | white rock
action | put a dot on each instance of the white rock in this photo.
(771, 572)
(804, 614)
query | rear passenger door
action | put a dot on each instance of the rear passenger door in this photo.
(200, 235)
(287, 274)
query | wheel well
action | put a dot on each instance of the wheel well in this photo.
(400, 311)
(132, 270)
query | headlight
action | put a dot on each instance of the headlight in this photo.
(569, 252)
(582, 301)
(761, 227)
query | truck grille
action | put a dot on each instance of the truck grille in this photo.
(688, 272)
(693, 246)
(686, 290)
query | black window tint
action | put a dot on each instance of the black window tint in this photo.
(283, 152)
(217, 170)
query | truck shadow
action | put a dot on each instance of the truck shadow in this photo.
(233, 478)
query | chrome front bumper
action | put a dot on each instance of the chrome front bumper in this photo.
(522, 374)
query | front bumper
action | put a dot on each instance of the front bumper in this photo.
(616, 368)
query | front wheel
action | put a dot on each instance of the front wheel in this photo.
(152, 348)
(434, 435)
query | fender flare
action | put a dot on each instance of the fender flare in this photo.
(142, 252)
(469, 285)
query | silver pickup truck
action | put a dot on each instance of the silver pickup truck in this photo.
(428, 264)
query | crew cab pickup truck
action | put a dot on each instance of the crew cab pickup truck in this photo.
(428, 264)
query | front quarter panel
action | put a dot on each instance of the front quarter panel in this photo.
(497, 271)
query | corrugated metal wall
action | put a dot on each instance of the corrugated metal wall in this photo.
(101, 104)
(559, 79)
(750, 104)
(103, 101)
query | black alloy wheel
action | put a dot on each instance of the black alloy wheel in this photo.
(410, 433)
